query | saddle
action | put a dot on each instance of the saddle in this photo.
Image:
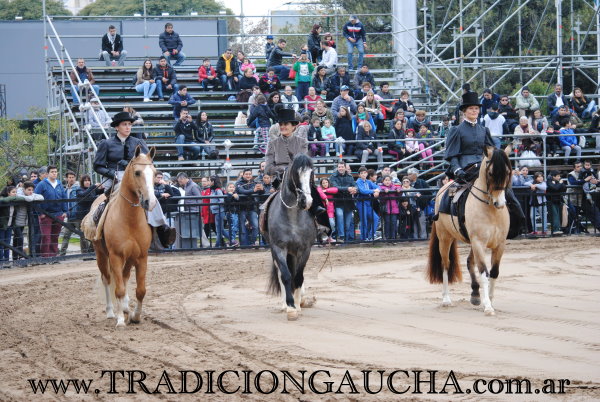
(263, 220)
(453, 203)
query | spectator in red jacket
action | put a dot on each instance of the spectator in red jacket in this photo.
(207, 75)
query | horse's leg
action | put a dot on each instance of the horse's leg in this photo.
(140, 290)
(285, 277)
(126, 275)
(496, 257)
(103, 265)
(299, 280)
(116, 266)
(479, 253)
(445, 243)
(475, 299)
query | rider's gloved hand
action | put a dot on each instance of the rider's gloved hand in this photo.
(122, 164)
(461, 175)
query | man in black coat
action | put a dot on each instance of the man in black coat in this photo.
(276, 60)
(170, 43)
(112, 48)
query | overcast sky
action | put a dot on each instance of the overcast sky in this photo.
(256, 7)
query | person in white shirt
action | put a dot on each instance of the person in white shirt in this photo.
(329, 58)
(494, 121)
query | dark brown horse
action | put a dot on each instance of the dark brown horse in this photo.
(125, 236)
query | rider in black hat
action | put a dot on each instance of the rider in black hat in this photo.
(280, 154)
(112, 157)
(465, 146)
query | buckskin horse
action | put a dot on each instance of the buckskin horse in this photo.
(487, 223)
(124, 236)
(291, 232)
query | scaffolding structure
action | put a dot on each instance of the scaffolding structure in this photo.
(461, 46)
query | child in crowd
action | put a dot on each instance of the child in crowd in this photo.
(7, 219)
(568, 140)
(412, 145)
(314, 135)
(232, 209)
(326, 192)
(555, 189)
(269, 46)
(208, 219)
(406, 219)
(367, 191)
(217, 209)
(389, 207)
(424, 132)
(538, 202)
(328, 134)
(248, 64)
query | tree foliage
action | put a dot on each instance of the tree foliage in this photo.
(153, 7)
(24, 144)
(30, 10)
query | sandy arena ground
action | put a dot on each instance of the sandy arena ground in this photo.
(374, 311)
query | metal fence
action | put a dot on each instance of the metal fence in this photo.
(45, 237)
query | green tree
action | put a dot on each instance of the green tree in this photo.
(153, 7)
(25, 146)
(30, 10)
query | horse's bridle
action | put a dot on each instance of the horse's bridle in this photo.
(298, 191)
(140, 198)
(487, 192)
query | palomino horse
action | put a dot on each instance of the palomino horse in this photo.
(126, 236)
(291, 233)
(487, 223)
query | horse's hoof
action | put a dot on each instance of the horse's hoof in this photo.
(120, 325)
(308, 302)
(446, 304)
(489, 312)
(476, 301)
(134, 320)
(110, 314)
(292, 314)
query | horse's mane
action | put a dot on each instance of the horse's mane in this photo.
(500, 165)
(301, 161)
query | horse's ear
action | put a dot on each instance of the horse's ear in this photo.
(508, 149)
(489, 151)
(138, 150)
(152, 152)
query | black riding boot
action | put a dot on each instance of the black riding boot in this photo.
(167, 235)
(102, 205)
(518, 224)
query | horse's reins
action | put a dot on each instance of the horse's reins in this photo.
(487, 192)
(298, 190)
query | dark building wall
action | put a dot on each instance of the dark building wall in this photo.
(23, 69)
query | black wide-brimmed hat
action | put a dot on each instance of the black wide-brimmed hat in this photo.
(469, 99)
(121, 117)
(287, 115)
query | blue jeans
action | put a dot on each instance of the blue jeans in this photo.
(195, 151)
(219, 228)
(368, 220)
(589, 110)
(302, 91)
(75, 95)
(248, 239)
(228, 83)
(179, 58)
(146, 88)
(541, 212)
(344, 224)
(5, 236)
(160, 85)
(390, 226)
(329, 145)
(360, 46)
(234, 222)
(282, 72)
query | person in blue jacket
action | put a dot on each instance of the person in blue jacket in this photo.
(170, 43)
(179, 100)
(52, 212)
(356, 36)
(568, 140)
(367, 191)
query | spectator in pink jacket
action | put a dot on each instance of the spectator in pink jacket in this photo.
(326, 192)
(389, 207)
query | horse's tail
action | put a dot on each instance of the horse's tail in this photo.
(435, 270)
(274, 287)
